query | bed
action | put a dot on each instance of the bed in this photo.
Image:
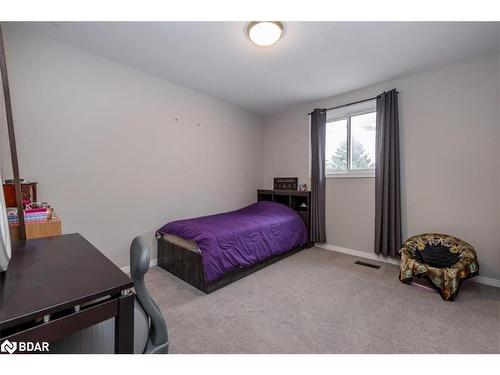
(210, 252)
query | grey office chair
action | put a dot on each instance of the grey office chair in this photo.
(150, 329)
(154, 335)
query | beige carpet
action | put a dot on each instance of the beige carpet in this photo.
(318, 301)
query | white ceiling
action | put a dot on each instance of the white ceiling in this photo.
(313, 60)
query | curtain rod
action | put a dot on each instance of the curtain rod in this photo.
(352, 103)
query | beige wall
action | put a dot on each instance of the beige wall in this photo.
(102, 141)
(450, 136)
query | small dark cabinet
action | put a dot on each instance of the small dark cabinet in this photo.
(300, 201)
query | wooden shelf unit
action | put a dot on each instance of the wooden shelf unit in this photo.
(47, 228)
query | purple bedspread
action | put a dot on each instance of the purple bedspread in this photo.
(241, 238)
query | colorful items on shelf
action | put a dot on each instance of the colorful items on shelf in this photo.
(34, 212)
(31, 215)
(28, 190)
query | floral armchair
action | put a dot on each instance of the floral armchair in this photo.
(458, 262)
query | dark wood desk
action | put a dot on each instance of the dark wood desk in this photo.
(48, 291)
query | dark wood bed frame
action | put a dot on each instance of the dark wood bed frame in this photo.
(187, 265)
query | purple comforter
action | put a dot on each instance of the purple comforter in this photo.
(241, 238)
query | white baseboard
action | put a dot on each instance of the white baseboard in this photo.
(363, 254)
(152, 262)
(357, 253)
(486, 281)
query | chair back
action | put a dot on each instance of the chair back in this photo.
(139, 265)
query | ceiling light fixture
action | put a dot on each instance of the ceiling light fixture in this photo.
(265, 33)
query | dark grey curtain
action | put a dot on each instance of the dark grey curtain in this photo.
(318, 177)
(387, 177)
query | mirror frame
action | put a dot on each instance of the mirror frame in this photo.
(5, 245)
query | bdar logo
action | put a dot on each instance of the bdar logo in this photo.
(9, 347)
(23, 346)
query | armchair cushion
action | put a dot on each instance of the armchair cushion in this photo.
(438, 256)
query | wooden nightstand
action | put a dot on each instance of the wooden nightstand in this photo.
(47, 228)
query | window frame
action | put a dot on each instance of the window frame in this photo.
(351, 173)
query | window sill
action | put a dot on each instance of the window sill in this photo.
(351, 175)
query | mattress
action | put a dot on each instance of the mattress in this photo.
(186, 244)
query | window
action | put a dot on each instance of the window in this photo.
(350, 141)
